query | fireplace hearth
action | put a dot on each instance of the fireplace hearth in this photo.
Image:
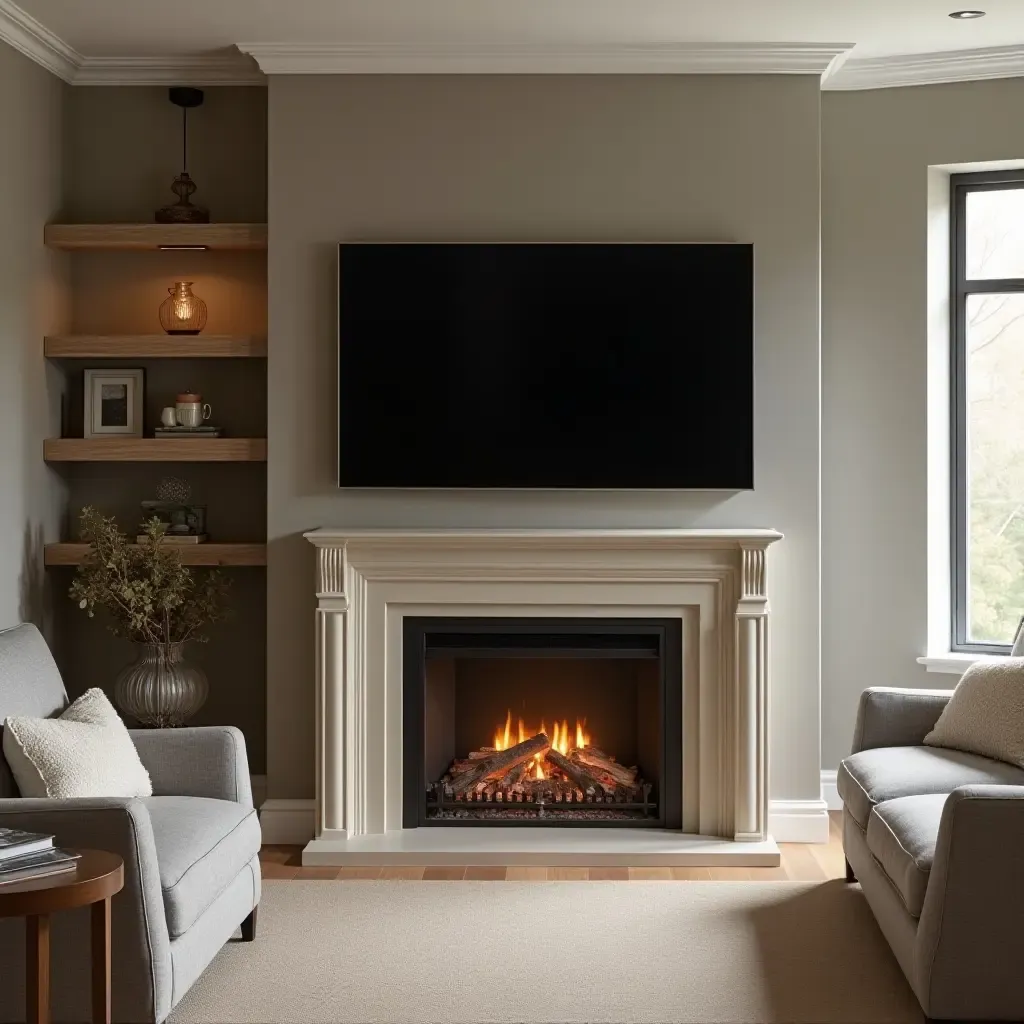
(542, 721)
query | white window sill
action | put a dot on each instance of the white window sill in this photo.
(955, 662)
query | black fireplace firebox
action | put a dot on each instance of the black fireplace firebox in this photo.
(542, 722)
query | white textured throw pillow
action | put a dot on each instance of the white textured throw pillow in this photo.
(85, 752)
(985, 715)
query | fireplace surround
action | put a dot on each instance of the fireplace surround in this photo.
(372, 585)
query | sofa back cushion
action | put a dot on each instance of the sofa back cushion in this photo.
(985, 715)
(30, 684)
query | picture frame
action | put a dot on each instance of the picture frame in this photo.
(113, 403)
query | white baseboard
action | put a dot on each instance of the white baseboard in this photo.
(798, 821)
(829, 793)
(293, 822)
(288, 822)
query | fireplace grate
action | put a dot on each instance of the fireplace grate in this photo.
(556, 801)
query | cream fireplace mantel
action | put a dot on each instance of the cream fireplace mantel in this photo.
(714, 581)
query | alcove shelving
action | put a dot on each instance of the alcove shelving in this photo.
(154, 346)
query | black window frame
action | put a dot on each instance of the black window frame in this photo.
(961, 288)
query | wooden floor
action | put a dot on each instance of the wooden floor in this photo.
(800, 863)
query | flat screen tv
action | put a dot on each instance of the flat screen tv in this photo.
(546, 366)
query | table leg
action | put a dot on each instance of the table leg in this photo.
(37, 969)
(101, 961)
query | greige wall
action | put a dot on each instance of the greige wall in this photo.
(32, 302)
(549, 159)
(876, 150)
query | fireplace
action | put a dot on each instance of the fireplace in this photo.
(542, 721)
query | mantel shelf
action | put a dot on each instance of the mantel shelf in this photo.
(155, 449)
(155, 346)
(193, 554)
(137, 237)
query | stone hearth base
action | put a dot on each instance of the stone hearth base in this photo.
(518, 847)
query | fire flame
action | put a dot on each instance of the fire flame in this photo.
(559, 736)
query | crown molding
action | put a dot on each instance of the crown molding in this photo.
(536, 59)
(207, 69)
(928, 68)
(37, 42)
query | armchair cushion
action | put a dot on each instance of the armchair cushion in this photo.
(873, 776)
(201, 846)
(901, 836)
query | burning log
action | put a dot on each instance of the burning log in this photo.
(499, 763)
(593, 758)
(577, 773)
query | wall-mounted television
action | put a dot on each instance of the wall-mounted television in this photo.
(546, 366)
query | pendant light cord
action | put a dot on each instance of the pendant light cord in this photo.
(184, 139)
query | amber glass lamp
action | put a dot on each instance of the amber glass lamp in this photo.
(182, 312)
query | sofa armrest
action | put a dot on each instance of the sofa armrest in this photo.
(896, 717)
(208, 761)
(142, 949)
(969, 942)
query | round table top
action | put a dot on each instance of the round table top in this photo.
(97, 875)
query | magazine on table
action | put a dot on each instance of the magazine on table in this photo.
(37, 865)
(16, 843)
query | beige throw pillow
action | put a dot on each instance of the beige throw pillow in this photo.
(985, 715)
(85, 752)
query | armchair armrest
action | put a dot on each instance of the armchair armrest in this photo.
(142, 949)
(969, 942)
(895, 717)
(208, 761)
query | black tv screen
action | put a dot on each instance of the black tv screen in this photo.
(546, 366)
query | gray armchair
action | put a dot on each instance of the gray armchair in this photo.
(191, 865)
(936, 839)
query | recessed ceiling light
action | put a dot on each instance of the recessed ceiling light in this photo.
(967, 15)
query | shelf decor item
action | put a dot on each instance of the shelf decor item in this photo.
(184, 522)
(183, 212)
(157, 603)
(182, 312)
(113, 403)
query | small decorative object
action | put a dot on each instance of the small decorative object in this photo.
(113, 403)
(168, 416)
(190, 410)
(182, 312)
(183, 212)
(158, 604)
(183, 521)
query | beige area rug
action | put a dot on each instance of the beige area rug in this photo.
(556, 953)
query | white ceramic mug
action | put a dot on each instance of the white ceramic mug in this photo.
(169, 416)
(192, 414)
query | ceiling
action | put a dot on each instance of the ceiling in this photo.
(884, 34)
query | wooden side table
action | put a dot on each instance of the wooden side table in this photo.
(97, 877)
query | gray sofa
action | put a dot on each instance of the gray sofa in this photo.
(936, 839)
(192, 875)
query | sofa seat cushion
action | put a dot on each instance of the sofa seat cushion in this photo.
(886, 773)
(201, 845)
(901, 836)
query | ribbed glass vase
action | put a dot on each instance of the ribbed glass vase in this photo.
(161, 688)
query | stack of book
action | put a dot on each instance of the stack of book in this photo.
(25, 856)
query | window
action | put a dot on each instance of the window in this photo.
(988, 409)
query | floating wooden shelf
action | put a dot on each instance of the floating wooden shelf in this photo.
(155, 236)
(192, 554)
(155, 449)
(155, 346)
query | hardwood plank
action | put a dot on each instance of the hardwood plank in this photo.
(830, 858)
(569, 874)
(122, 237)
(650, 874)
(317, 873)
(526, 874)
(486, 873)
(403, 872)
(768, 874)
(237, 555)
(155, 449)
(443, 874)
(691, 874)
(272, 871)
(800, 865)
(154, 346)
(281, 855)
(609, 874)
(729, 874)
(363, 874)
